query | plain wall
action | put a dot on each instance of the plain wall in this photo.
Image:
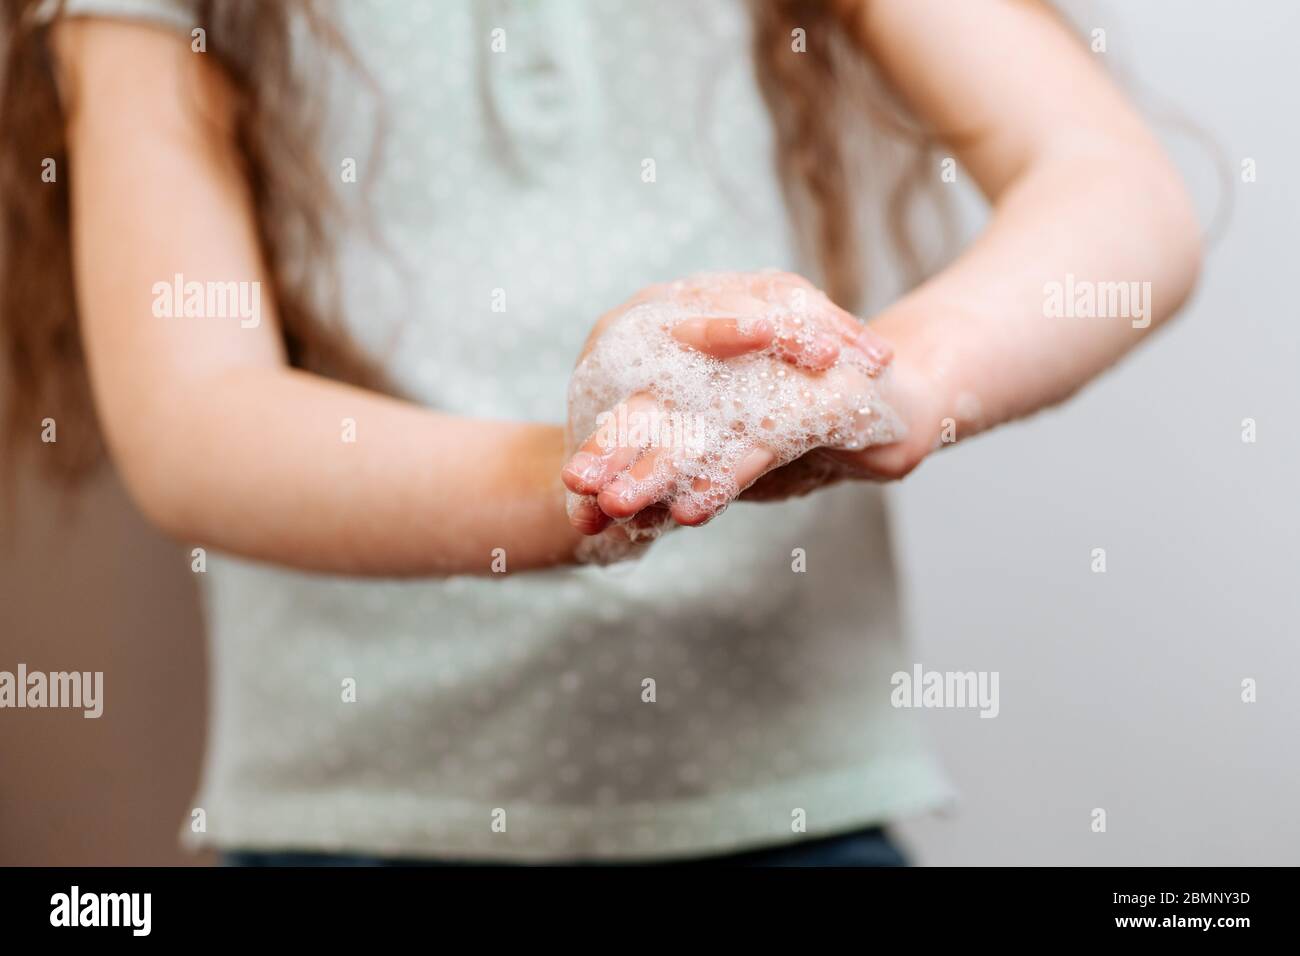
(1118, 690)
(90, 587)
(1122, 690)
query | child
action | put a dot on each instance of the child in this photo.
(393, 226)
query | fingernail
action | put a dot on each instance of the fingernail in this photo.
(822, 353)
(875, 350)
(621, 491)
(584, 467)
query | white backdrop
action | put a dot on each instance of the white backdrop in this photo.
(1122, 690)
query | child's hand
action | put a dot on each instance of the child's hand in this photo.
(907, 391)
(772, 369)
(736, 313)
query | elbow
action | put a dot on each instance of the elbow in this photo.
(155, 479)
(157, 496)
(1174, 231)
(1186, 248)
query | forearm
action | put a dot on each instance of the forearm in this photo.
(985, 334)
(293, 469)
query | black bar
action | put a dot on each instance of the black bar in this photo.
(556, 904)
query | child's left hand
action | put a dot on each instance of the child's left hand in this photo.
(831, 363)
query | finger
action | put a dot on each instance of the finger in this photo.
(756, 462)
(585, 515)
(853, 332)
(807, 473)
(803, 343)
(810, 336)
(877, 350)
(799, 341)
(806, 299)
(857, 333)
(656, 518)
(789, 287)
(600, 457)
(636, 488)
(724, 338)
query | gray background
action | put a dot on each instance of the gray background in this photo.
(1119, 691)
(1122, 690)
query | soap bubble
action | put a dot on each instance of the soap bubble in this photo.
(725, 407)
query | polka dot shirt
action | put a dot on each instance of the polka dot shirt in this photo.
(539, 163)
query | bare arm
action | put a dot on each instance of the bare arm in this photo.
(1079, 188)
(219, 441)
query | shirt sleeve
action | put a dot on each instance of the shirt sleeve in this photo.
(179, 15)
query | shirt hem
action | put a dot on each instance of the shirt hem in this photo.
(363, 823)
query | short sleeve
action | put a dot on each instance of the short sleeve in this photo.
(175, 14)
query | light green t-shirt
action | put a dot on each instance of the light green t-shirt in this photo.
(728, 690)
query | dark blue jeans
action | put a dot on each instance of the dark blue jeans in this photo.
(869, 847)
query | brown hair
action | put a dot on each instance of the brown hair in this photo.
(276, 126)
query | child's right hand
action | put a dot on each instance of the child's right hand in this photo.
(784, 344)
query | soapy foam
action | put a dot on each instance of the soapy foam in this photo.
(756, 399)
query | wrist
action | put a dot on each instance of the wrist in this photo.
(911, 387)
(908, 387)
(531, 500)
